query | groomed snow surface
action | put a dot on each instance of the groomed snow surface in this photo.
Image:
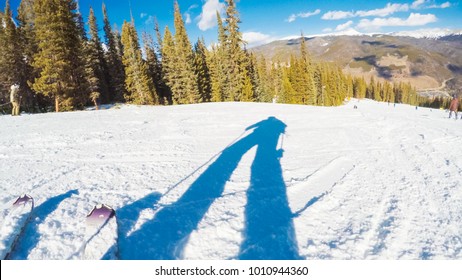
(240, 181)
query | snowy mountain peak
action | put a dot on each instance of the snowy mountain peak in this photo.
(431, 33)
(346, 32)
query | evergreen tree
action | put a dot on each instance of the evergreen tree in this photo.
(29, 47)
(3, 78)
(163, 88)
(288, 93)
(185, 89)
(377, 91)
(349, 86)
(264, 94)
(371, 89)
(388, 95)
(235, 56)
(138, 83)
(115, 74)
(96, 68)
(204, 82)
(154, 67)
(81, 24)
(11, 61)
(247, 90)
(58, 60)
(308, 87)
(297, 77)
(254, 77)
(217, 63)
(276, 78)
(359, 88)
(168, 62)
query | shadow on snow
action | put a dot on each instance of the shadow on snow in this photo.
(31, 236)
(268, 232)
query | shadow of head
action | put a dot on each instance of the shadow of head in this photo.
(271, 125)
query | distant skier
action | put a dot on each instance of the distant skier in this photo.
(15, 100)
(454, 106)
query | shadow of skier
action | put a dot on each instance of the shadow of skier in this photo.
(31, 235)
(269, 231)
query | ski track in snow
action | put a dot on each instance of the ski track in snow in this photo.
(379, 182)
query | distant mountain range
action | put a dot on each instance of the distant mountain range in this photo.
(431, 60)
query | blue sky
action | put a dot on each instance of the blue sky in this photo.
(267, 20)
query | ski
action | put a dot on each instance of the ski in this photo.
(101, 234)
(14, 224)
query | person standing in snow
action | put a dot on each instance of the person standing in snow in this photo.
(15, 100)
(454, 106)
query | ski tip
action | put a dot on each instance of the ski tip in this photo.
(23, 199)
(101, 211)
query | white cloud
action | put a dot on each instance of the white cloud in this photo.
(442, 6)
(208, 18)
(414, 19)
(344, 26)
(150, 20)
(383, 12)
(256, 38)
(418, 4)
(293, 17)
(445, 5)
(143, 15)
(333, 15)
(389, 9)
(187, 14)
(187, 18)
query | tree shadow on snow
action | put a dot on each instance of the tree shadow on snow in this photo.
(269, 231)
(31, 235)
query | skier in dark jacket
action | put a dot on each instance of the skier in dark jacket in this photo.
(454, 106)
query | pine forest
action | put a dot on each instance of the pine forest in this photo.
(57, 58)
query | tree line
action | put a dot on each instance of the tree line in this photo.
(60, 64)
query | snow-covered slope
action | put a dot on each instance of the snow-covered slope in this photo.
(240, 181)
